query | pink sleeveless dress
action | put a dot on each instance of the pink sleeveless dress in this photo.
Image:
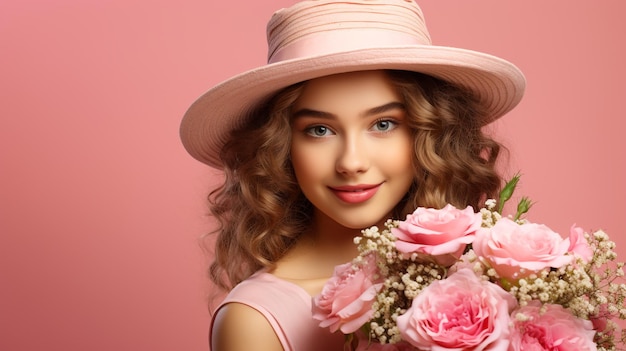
(287, 307)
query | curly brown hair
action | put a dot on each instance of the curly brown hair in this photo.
(261, 211)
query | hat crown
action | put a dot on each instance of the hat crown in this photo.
(319, 27)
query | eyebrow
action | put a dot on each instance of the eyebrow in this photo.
(395, 105)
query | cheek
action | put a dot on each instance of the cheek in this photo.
(400, 163)
(307, 163)
(400, 160)
(299, 164)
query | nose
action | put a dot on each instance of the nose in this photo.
(353, 157)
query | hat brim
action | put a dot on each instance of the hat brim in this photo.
(496, 83)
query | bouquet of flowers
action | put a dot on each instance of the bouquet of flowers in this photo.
(453, 279)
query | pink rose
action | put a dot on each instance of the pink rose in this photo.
(442, 234)
(553, 329)
(366, 345)
(517, 250)
(461, 312)
(346, 299)
(578, 244)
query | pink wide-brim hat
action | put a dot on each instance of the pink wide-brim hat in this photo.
(316, 38)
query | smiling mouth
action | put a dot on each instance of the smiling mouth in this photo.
(354, 194)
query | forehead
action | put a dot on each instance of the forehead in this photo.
(363, 88)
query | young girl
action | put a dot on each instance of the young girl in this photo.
(356, 118)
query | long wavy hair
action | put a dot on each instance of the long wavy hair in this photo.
(261, 211)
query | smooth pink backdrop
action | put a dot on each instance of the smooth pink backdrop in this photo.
(101, 208)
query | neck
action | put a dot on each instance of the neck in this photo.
(333, 239)
(326, 245)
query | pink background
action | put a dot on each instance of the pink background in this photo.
(101, 208)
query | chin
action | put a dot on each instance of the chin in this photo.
(353, 219)
(359, 225)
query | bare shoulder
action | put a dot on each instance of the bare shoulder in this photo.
(240, 327)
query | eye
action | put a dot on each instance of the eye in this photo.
(384, 125)
(318, 131)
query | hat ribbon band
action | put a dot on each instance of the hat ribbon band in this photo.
(324, 43)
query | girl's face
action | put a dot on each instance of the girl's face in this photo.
(351, 147)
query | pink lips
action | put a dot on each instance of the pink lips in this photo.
(354, 194)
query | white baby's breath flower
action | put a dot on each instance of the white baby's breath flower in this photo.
(522, 317)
